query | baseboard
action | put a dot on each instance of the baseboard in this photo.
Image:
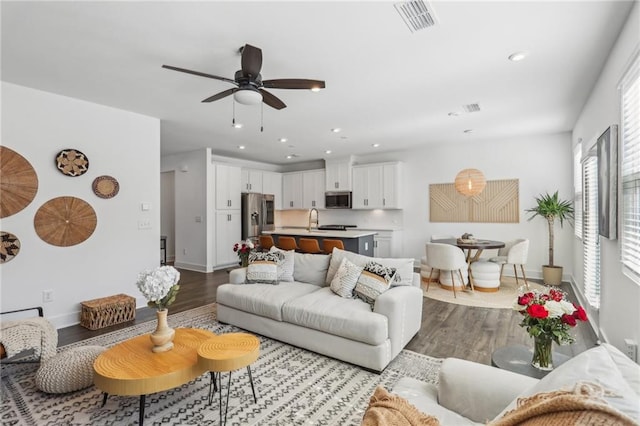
(191, 267)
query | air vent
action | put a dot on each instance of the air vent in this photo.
(471, 107)
(417, 14)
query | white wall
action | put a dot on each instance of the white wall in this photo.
(168, 212)
(118, 143)
(619, 315)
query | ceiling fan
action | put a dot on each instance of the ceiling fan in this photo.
(250, 88)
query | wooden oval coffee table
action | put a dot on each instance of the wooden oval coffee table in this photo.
(228, 352)
(131, 368)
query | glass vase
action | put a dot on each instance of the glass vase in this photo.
(244, 260)
(542, 359)
(162, 337)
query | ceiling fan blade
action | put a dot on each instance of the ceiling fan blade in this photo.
(272, 100)
(198, 73)
(221, 95)
(251, 60)
(293, 83)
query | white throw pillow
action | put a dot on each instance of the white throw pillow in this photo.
(263, 268)
(311, 268)
(374, 280)
(403, 267)
(286, 265)
(345, 279)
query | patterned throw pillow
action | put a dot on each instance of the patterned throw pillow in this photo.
(345, 279)
(263, 268)
(285, 266)
(374, 280)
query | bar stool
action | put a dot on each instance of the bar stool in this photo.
(266, 242)
(328, 245)
(287, 243)
(309, 245)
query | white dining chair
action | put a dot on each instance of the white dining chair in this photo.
(447, 257)
(425, 268)
(514, 253)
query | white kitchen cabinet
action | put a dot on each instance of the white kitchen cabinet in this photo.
(376, 186)
(382, 245)
(313, 183)
(338, 175)
(252, 181)
(272, 184)
(227, 187)
(228, 232)
(292, 191)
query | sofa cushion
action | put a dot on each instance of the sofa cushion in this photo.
(594, 365)
(262, 299)
(345, 279)
(374, 280)
(263, 267)
(324, 311)
(311, 268)
(404, 267)
(286, 264)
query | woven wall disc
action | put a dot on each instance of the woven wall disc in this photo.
(18, 182)
(9, 246)
(72, 162)
(105, 186)
(65, 221)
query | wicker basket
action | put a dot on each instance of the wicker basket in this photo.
(106, 311)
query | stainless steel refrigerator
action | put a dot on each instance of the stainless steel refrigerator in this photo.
(257, 215)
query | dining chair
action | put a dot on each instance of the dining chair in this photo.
(514, 253)
(309, 245)
(287, 243)
(328, 245)
(447, 258)
(266, 242)
(425, 268)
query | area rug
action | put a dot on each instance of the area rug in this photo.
(502, 299)
(294, 387)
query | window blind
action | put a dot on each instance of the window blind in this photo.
(590, 238)
(630, 174)
(577, 190)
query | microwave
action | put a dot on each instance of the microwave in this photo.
(337, 200)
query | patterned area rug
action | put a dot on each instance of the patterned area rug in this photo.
(294, 387)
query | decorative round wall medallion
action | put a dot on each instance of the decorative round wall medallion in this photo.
(72, 162)
(18, 182)
(65, 221)
(105, 186)
(9, 246)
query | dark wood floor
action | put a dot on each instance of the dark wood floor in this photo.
(447, 330)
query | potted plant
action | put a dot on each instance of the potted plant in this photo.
(551, 208)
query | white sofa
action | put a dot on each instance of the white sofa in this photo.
(469, 393)
(306, 313)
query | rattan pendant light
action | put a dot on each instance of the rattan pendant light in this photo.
(470, 182)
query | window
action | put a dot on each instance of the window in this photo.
(577, 189)
(630, 174)
(590, 237)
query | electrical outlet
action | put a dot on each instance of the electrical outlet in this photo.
(144, 224)
(47, 296)
(631, 349)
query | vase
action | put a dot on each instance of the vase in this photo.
(542, 359)
(244, 261)
(162, 337)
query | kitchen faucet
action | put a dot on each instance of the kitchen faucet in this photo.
(317, 218)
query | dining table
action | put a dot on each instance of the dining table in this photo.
(470, 245)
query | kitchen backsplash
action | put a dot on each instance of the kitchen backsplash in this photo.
(366, 219)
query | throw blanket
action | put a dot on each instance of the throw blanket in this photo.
(386, 409)
(583, 405)
(31, 333)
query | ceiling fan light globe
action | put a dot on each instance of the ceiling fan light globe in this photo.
(248, 97)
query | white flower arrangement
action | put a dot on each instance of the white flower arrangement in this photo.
(159, 286)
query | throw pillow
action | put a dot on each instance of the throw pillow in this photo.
(285, 266)
(404, 267)
(388, 409)
(311, 268)
(374, 280)
(263, 268)
(345, 279)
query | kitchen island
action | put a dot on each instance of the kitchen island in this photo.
(356, 241)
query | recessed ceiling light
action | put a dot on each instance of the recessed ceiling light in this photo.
(375, 145)
(469, 131)
(241, 146)
(518, 56)
(237, 125)
(336, 129)
(328, 151)
(289, 157)
(282, 140)
(453, 114)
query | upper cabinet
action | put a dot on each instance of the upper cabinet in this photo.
(252, 181)
(313, 189)
(291, 191)
(338, 175)
(272, 184)
(377, 186)
(227, 187)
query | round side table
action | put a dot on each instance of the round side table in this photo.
(228, 352)
(517, 358)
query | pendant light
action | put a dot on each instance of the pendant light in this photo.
(470, 182)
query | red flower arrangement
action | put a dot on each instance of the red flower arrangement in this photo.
(243, 248)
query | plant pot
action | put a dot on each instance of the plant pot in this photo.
(552, 275)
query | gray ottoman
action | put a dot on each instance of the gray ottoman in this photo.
(68, 371)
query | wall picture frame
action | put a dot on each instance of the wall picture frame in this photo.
(607, 148)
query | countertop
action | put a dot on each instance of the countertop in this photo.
(301, 232)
